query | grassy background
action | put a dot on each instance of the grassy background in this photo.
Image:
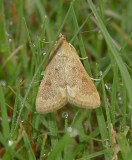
(99, 30)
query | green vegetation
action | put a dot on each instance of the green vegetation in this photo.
(99, 30)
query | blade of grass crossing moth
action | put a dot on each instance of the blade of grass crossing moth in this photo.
(4, 115)
(123, 70)
(46, 56)
(81, 45)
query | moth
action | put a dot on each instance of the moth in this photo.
(65, 81)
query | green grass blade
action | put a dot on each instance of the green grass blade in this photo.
(28, 147)
(15, 111)
(96, 154)
(113, 94)
(4, 45)
(29, 39)
(103, 131)
(52, 126)
(123, 144)
(5, 123)
(59, 147)
(107, 112)
(129, 156)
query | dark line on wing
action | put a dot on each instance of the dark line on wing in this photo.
(56, 50)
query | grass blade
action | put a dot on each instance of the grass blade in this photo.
(5, 123)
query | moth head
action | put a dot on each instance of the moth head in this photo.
(61, 37)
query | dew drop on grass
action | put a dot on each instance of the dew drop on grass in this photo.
(107, 143)
(108, 86)
(100, 74)
(42, 73)
(65, 115)
(41, 25)
(7, 34)
(118, 94)
(10, 40)
(120, 100)
(20, 79)
(11, 22)
(22, 104)
(100, 36)
(3, 83)
(44, 155)
(33, 45)
(121, 84)
(10, 142)
(72, 132)
(44, 53)
(8, 119)
(69, 129)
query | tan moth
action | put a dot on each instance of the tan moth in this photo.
(65, 81)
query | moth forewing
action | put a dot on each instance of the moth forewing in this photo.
(52, 91)
(80, 88)
(65, 81)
